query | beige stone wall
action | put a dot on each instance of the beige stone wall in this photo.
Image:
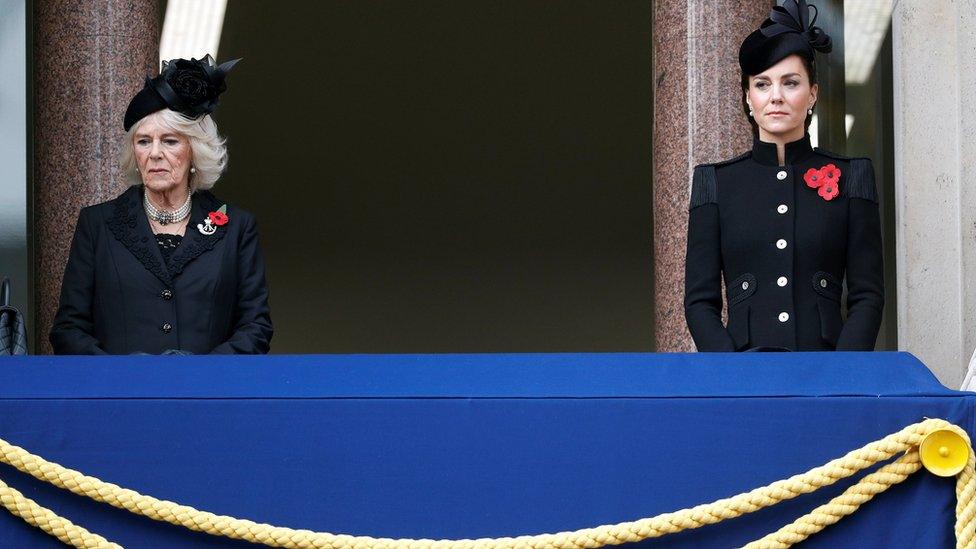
(935, 171)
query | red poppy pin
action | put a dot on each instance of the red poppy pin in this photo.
(220, 218)
(214, 219)
(826, 180)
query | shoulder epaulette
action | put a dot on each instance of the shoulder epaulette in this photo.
(704, 182)
(703, 186)
(860, 182)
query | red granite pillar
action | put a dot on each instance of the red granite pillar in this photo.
(697, 118)
(89, 59)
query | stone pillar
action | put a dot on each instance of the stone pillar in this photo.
(935, 167)
(90, 58)
(697, 118)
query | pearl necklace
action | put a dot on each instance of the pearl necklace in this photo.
(163, 217)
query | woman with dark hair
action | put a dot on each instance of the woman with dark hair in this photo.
(784, 224)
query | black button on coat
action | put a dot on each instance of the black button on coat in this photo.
(119, 297)
(783, 252)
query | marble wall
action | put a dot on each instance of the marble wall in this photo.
(697, 118)
(89, 59)
(935, 166)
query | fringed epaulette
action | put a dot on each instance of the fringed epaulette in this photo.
(704, 182)
(859, 181)
(703, 186)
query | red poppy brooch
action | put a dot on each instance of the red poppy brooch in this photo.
(826, 180)
(214, 219)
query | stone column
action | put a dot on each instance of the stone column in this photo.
(89, 59)
(935, 167)
(697, 118)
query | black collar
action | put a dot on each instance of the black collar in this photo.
(130, 226)
(765, 153)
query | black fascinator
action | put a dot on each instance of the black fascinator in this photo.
(788, 30)
(188, 86)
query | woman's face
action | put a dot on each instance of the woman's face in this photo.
(162, 155)
(780, 97)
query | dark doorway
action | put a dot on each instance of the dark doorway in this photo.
(444, 176)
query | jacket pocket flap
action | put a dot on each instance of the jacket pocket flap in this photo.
(741, 288)
(827, 285)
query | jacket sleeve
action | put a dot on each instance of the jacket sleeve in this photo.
(703, 266)
(73, 330)
(865, 263)
(252, 316)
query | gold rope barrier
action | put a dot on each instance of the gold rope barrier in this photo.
(904, 443)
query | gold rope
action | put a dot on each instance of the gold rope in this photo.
(904, 443)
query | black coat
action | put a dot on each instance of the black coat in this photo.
(119, 297)
(783, 252)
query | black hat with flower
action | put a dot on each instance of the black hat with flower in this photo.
(188, 86)
(788, 30)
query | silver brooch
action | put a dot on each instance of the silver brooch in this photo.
(207, 228)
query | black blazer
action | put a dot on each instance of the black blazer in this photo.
(783, 252)
(118, 296)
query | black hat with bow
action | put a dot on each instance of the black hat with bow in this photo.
(788, 30)
(188, 86)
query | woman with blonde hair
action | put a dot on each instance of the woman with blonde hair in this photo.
(166, 267)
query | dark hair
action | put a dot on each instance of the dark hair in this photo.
(808, 63)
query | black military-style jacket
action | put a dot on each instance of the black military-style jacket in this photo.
(783, 251)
